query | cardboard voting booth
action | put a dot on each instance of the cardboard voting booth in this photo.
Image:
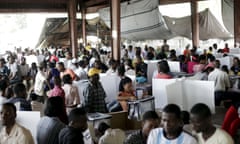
(226, 61)
(110, 84)
(152, 67)
(183, 92)
(29, 119)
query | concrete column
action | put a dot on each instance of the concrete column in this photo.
(116, 36)
(236, 6)
(195, 23)
(84, 36)
(73, 26)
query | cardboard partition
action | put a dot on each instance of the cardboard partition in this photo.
(29, 119)
(226, 61)
(196, 91)
(159, 91)
(174, 66)
(183, 92)
(174, 93)
(110, 84)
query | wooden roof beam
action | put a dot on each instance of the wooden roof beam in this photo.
(35, 1)
(94, 3)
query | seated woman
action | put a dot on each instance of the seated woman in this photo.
(236, 66)
(163, 70)
(126, 94)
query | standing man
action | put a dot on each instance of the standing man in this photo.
(12, 132)
(94, 94)
(207, 133)
(172, 132)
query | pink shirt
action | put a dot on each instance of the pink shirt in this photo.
(57, 91)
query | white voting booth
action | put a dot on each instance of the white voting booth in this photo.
(110, 84)
(29, 119)
(152, 66)
(183, 92)
(226, 61)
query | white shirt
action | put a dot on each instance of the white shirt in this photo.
(112, 136)
(219, 137)
(40, 58)
(81, 73)
(39, 83)
(71, 95)
(24, 69)
(220, 78)
(18, 135)
(156, 136)
(111, 72)
(12, 67)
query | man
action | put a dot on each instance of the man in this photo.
(72, 98)
(14, 75)
(149, 122)
(40, 82)
(110, 136)
(72, 134)
(165, 46)
(63, 71)
(24, 71)
(172, 132)
(12, 132)
(221, 82)
(19, 99)
(94, 94)
(207, 133)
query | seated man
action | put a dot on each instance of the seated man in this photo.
(12, 132)
(110, 136)
(149, 122)
(172, 128)
(207, 133)
(72, 134)
(19, 99)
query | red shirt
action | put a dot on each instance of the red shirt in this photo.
(163, 76)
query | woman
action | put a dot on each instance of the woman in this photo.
(163, 70)
(126, 94)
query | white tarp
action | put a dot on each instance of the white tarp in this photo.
(227, 15)
(209, 27)
(140, 20)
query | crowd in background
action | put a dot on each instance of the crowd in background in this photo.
(30, 78)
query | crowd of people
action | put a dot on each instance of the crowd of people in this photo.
(32, 78)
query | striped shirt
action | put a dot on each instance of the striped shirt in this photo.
(48, 129)
(156, 136)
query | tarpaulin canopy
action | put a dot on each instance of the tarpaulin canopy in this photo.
(209, 27)
(56, 31)
(227, 15)
(142, 20)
